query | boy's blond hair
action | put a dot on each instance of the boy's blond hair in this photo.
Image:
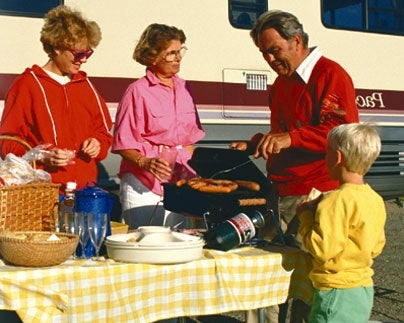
(359, 143)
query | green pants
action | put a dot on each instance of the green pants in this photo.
(342, 305)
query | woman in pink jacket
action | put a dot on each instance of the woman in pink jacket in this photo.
(156, 110)
(57, 104)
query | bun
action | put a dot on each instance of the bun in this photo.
(314, 193)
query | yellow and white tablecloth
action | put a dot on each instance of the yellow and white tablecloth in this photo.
(85, 291)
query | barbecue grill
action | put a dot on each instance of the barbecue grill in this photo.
(219, 163)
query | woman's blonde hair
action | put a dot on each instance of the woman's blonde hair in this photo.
(359, 143)
(154, 40)
(65, 28)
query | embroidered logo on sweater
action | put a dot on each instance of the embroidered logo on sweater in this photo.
(331, 107)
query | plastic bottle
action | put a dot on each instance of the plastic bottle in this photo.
(67, 209)
(234, 231)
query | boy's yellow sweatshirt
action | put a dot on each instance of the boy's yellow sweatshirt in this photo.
(344, 236)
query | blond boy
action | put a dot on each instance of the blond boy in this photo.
(343, 230)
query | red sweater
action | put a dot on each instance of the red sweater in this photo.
(308, 112)
(40, 110)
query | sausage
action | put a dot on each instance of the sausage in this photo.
(209, 185)
(215, 189)
(250, 185)
(181, 182)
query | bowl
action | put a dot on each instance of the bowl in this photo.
(154, 247)
(118, 227)
(32, 248)
(154, 229)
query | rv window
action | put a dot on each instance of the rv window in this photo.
(377, 16)
(27, 8)
(243, 13)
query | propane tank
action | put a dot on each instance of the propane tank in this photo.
(235, 231)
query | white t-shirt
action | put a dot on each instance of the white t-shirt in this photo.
(62, 79)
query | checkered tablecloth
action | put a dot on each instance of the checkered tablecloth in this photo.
(83, 291)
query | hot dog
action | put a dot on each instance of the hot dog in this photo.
(208, 185)
(250, 185)
(214, 189)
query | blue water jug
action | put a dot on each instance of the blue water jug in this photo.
(95, 200)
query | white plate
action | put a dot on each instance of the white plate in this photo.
(154, 247)
(154, 256)
(160, 240)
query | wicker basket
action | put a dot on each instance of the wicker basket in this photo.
(28, 207)
(29, 252)
(20, 141)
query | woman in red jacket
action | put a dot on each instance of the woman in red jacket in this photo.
(57, 104)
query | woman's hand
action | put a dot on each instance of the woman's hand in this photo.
(58, 157)
(91, 147)
(159, 167)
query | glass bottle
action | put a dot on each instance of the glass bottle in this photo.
(67, 209)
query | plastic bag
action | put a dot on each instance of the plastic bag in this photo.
(37, 153)
(40, 152)
(17, 171)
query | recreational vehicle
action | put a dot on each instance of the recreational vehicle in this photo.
(227, 74)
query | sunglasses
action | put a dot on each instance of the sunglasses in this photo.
(81, 54)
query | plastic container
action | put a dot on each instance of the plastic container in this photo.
(154, 245)
(119, 228)
(94, 199)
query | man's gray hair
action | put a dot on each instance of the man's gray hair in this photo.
(286, 24)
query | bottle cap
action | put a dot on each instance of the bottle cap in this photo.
(71, 186)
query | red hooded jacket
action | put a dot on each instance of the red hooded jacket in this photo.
(40, 110)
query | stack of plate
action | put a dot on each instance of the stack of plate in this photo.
(154, 245)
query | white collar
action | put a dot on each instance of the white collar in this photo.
(62, 79)
(306, 67)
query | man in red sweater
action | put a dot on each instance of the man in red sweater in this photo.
(310, 96)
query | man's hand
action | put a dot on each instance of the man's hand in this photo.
(272, 143)
(239, 145)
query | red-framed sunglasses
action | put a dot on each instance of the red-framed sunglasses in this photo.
(80, 54)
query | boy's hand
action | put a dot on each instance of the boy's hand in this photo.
(309, 205)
